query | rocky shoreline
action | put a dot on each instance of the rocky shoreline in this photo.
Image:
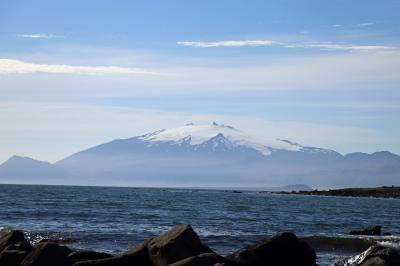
(180, 246)
(378, 192)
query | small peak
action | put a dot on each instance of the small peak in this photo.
(17, 157)
(219, 135)
(215, 124)
(189, 124)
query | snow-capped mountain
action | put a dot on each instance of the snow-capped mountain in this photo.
(219, 135)
(221, 155)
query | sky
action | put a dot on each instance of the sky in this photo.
(74, 74)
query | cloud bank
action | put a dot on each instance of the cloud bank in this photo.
(358, 71)
(12, 66)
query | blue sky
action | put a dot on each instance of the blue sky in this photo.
(77, 73)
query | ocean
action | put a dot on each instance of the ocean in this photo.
(112, 219)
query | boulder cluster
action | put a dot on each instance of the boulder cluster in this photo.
(180, 246)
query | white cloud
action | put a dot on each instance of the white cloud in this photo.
(239, 43)
(318, 45)
(341, 47)
(366, 24)
(41, 36)
(12, 66)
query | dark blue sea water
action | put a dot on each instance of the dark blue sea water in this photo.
(114, 219)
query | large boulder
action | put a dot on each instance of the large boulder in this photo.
(374, 256)
(282, 250)
(14, 254)
(371, 231)
(179, 243)
(9, 238)
(48, 254)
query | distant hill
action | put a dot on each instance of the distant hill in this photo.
(25, 170)
(211, 156)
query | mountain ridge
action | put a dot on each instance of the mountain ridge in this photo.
(219, 155)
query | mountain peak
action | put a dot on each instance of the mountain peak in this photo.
(19, 158)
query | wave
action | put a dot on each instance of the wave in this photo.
(347, 243)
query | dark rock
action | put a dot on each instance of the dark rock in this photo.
(372, 231)
(12, 257)
(9, 238)
(137, 255)
(179, 243)
(206, 259)
(20, 246)
(373, 256)
(48, 254)
(114, 261)
(87, 255)
(14, 254)
(282, 250)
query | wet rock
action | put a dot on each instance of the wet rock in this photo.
(48, 254)
(9, 238)
(373, 256)
(282, 250)
(14, 254)
(179, 243)
(371, 231)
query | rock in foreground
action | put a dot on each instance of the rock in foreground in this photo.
(180, 246)
(283, 249)
(179, 243)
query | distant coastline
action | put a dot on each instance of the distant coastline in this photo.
(377, 192)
